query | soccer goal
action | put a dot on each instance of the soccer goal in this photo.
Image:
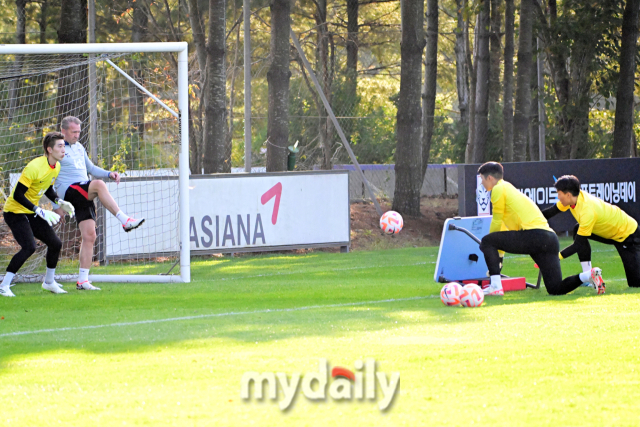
(132, 100)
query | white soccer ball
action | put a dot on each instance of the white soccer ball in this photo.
(450, 294)
(472, 296)
(391, 222)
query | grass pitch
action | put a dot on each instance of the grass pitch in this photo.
(175, 354)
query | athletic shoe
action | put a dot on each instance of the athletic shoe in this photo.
(493, 290)
(595, 280)
(53, 287)
(5, 291)
(132, 224)
(86, 286)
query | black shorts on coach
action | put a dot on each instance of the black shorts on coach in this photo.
(78, 195)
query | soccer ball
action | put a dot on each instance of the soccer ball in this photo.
(471, 296)
(450, 293)
(391, 222)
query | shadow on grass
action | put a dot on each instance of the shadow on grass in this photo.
(325, 295)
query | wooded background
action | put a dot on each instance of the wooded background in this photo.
(411, 82)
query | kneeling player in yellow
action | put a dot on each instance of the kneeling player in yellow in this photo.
(599, 221)
(26, 220)
(528, 233)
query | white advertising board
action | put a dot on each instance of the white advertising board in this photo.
(232, 213)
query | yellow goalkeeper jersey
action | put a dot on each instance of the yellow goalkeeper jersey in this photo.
(598, 217)
(514, 211)
(37, 176)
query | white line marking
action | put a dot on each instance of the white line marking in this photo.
(204, 316)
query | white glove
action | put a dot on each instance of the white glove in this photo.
(52, 218)
(67, 207)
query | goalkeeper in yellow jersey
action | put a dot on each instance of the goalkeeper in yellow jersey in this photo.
(519, 227)
(599, 221)
(27, 221)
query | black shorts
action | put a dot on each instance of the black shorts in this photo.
(78, 195)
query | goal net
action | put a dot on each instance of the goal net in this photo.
(134, 117)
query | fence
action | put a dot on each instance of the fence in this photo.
(440, 180)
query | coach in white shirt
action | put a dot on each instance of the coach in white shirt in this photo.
(73, 185)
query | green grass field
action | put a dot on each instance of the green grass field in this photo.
(161, 355)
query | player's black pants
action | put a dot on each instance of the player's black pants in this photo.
(541, 245)
(628, 249)
(24, 228)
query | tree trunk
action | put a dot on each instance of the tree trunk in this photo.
(73, 88)
(41, 79)
(199, 40)
(430, 80)
(351, 87)
(462, 69)
(482, 85)
(472, 65)
(323, 72)
(507, 107)
(523, 81)
(278, 79)
(234, 73)
(15, 83)
(534, 130)
(622, 135)
(217, 151)
(136, 97)
(494, 73)
(408, 156)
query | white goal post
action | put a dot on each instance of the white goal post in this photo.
(95, 51)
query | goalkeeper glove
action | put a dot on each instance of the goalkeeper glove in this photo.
(52, 218)
(67, 207)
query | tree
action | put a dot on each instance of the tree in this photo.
(199, 40)
(73, 90)
(430, 80)
(579, 42)
(472, 65)
(494, 42)
(623, 133)
(14, 84)
(507, 107)
(523, 82)
(278, 78)
(408, 160)
(482, 84)
(325, 76)
(462, 69)
(217, 153)
(534, 116)
(351, 84)
(136, 108)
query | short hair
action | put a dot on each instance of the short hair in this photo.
(568, 184)
(49, 140)
(64, 124)
(494, 169)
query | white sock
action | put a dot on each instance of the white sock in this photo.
(122, 217)
(586, 265)
(496, 281)
(84, 275)
(584, 276)
(49, 277)
(8, 277)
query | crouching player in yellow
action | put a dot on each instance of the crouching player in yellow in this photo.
(528, 233)
(26, 220)
(599, 221)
